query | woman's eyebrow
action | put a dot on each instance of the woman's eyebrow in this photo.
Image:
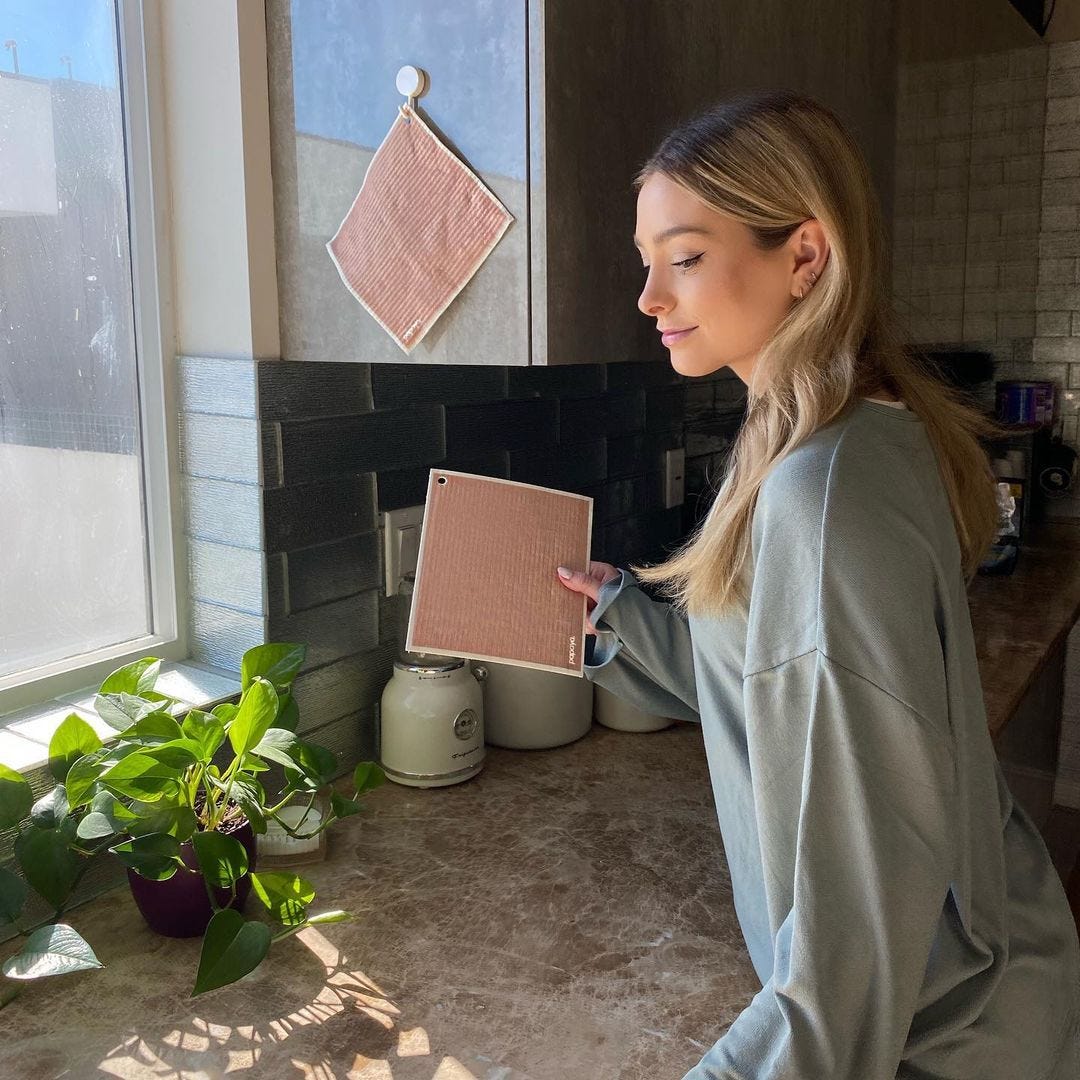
(675, 230)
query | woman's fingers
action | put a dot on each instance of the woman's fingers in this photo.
(588, 583)
(580, 582)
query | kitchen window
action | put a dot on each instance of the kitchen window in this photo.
(88, 571)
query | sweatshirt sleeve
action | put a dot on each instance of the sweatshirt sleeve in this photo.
(642, 651)
(853, 799)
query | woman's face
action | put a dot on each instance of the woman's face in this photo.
(706, 279)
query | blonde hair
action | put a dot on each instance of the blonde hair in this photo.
(773, 159)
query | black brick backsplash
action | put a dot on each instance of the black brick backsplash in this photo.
(569, 468)
(630, 375)
(408, 487)
(618, 498)
(333, 630)
(574, 380)
(344, 445)
(293, 389)
(307, 514)
(340, 444)
(332, 571)
(510, 425)
(395, 386)
(626, 455)
(615, 413)
(665, 408)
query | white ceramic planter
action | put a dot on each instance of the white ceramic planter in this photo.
(614, 712)
(528, 709)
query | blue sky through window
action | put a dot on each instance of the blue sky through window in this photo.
(46, 30)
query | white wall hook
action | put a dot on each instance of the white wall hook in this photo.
(413, 82)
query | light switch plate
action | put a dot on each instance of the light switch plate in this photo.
(401, 544)
(674, 473)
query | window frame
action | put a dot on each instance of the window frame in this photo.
(145, 150)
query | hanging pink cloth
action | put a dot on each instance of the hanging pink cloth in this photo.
(417, 231)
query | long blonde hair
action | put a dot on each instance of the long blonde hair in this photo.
(773, 159)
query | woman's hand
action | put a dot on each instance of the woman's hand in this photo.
(589, 583)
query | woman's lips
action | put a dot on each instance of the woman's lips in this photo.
(669, 337)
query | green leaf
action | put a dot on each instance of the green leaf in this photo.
(47, 863)
(250, 796)
(51, 950)
(177, 821)
(121, 815)
(121, 711)
(51, 809)
(288, 716)
(13, 891)
(342, 806)
(276, 662)
(222, 859)
(280, 745)
(94, 826)
(70, 741)
(155, 728)
(155, 855)
(258, 707)
(317, 765)
(178, 754)
(142, 776)
(225, 711)
(135, 678)
(16, 797)
(367, 776)
(330, 917)
(107, 815)
(286, 896)
(205, 729)
(231, 949)
(82, 777)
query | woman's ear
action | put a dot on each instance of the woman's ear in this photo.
(812, 246)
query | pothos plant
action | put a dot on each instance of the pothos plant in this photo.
(167, 779)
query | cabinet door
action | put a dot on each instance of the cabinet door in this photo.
(332, 100)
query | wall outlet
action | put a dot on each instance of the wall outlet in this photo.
(401, 544)
(674, 483)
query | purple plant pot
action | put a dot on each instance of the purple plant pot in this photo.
(179, 906)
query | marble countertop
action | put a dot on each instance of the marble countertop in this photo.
(1020, 618)
(564, 915)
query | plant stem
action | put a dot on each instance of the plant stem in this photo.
(74, 884)
(288, 932)
(230, 775)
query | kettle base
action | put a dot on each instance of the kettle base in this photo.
(426, 780)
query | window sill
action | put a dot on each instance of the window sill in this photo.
(25, 733)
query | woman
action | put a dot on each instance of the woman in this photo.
(899, 907)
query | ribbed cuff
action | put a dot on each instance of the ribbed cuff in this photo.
(606, 643)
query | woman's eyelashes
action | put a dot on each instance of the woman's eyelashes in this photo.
(682, 264)
(687, 264)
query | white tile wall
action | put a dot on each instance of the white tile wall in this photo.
(986, 250)
(987, 224)
(969, 148)
(1067, 780)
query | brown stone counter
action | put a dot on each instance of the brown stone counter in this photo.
(1020, 618)
(565, 915)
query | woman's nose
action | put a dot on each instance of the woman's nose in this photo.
(653, 300)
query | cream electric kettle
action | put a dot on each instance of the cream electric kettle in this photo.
(432, 720)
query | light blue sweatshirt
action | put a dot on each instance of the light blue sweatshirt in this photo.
(900, 909)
